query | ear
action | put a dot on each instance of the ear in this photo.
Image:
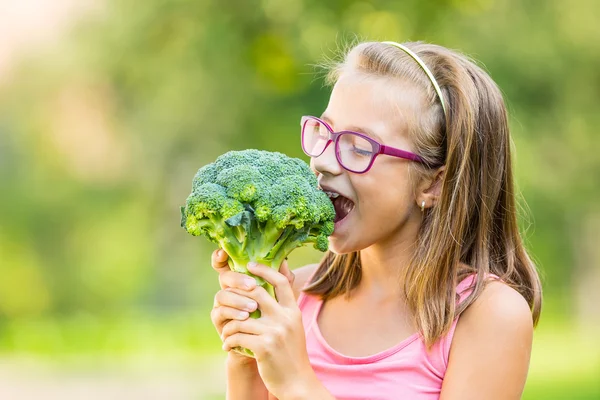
(430, 188)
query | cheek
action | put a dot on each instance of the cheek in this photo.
(388, 191)
(387, 206)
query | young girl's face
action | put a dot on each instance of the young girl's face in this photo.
(385, 209)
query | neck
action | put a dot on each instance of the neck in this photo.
(382, 266)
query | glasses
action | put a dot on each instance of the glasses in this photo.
(354, 151)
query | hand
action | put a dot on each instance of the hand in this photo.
(231, 306)
(276, 338)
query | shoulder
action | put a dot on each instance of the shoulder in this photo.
(491, 346)
(301, 277)
(499, 309)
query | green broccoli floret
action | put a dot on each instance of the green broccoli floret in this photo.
(258, 206)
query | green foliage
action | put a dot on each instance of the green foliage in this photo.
(175, 83)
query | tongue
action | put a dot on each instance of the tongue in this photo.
(342, 206)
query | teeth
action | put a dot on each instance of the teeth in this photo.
(332, 195)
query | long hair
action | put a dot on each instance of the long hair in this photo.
(474, 223)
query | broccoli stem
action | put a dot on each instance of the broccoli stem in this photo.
(265, 244)
(239, 265)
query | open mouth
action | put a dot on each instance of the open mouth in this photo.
(343, 205)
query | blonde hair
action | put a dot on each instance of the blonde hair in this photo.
(475, 220)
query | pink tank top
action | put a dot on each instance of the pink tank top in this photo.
(406, 371)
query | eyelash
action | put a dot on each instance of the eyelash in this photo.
(362, 152)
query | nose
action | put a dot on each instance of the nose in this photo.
(326, 163)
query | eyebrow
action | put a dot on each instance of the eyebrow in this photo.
(358, 129)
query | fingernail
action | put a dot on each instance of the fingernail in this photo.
(243, 315)
(251, 306)
(249, 283)
(251, 264)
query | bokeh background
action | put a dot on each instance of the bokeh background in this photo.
(108, 107)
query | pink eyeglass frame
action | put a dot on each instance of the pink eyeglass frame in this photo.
(378, 148)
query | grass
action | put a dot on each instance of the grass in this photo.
(123, 336)
(565, 362)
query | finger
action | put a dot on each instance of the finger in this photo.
(249, 326)
(285, 271)
(251, 342)
(238, 280)
(220, 256)
(238, 301)
(221, 315)
(283, 289)
(267, 304)
(219, 260)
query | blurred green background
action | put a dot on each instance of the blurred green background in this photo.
(108, 107)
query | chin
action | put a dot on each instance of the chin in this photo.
(342, 248)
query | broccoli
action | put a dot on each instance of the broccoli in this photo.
(258, 206)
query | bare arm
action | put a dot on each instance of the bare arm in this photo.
(490, 352)
(243, 378)
(244, 383)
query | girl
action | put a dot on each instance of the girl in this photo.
(427, 291)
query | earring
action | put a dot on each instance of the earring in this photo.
(423, 206)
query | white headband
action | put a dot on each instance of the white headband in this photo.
(427, 71)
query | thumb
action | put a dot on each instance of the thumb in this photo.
(219, 261)
(284, 269)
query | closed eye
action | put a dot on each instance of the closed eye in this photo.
(361, 152)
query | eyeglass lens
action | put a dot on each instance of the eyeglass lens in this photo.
(354, 152)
